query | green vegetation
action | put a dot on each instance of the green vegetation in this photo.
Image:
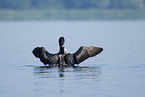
(71, 9)
(71, 14)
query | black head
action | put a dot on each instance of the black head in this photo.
(61, 41)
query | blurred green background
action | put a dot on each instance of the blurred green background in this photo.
(71, 9)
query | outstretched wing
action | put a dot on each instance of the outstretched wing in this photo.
(85, 52)
(45, 56)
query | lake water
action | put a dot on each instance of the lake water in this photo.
(119, 71)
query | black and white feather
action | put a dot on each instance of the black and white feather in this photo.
(82, 54)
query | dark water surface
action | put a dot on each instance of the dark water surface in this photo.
(119, 71)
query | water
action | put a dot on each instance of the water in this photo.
(117, 72)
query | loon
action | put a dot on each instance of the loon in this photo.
(63, 57)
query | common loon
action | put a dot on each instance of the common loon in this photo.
(63, 57)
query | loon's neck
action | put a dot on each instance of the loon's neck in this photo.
(63, 50)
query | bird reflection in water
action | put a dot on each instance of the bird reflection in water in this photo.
(79, 71)
(43, 71)
(61, 70)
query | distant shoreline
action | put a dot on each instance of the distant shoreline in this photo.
(72, 14)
